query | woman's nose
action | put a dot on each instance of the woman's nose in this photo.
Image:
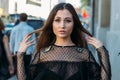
(62, 24)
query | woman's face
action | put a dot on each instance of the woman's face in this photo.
(63, 24)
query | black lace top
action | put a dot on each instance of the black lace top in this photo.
(66, 63)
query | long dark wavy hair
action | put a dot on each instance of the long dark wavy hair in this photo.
(47, 37)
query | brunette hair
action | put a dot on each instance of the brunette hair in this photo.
(23, 17)
(47, 37)
(2, 26)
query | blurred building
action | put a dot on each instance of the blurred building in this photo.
(107, 29)
(3, 7)
(31, 7)
(40, 8)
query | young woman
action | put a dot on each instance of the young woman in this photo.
(61, 53)
(6, 63)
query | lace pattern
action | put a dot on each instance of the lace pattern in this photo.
(70, 60)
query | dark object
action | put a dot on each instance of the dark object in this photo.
(118, 53)
(35, 23)
(27, 59)
(87, 71)
(3, 60)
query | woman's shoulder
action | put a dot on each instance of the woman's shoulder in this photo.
(82, 49)
(46, 49)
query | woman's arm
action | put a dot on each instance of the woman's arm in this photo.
(105, 63)
(20, 67)
(103, 57)
(21, 75)
(9, 55)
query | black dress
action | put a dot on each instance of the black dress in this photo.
(4, 74)
(68, 63)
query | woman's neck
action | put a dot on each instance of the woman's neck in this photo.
(64, 42)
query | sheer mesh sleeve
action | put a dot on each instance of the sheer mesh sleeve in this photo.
(20, 68)
(32, 69)
(105, 64)
(21, 74)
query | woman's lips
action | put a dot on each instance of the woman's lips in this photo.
(61, 32)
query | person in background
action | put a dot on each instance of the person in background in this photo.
(17, 35)
(6, 62)
(60, 52)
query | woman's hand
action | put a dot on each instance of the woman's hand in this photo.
(93, 41)
(25, 44)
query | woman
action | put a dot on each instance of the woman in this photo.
(6, 63)
(61, 53)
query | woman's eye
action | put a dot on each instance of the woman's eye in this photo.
(68, 20)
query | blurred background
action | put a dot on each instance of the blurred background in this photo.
(100, 17)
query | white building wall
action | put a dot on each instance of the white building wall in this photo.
(39, 11)
(4, 6)
(113, 39)
(110, 34)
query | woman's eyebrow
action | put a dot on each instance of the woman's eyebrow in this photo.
(65, 17)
